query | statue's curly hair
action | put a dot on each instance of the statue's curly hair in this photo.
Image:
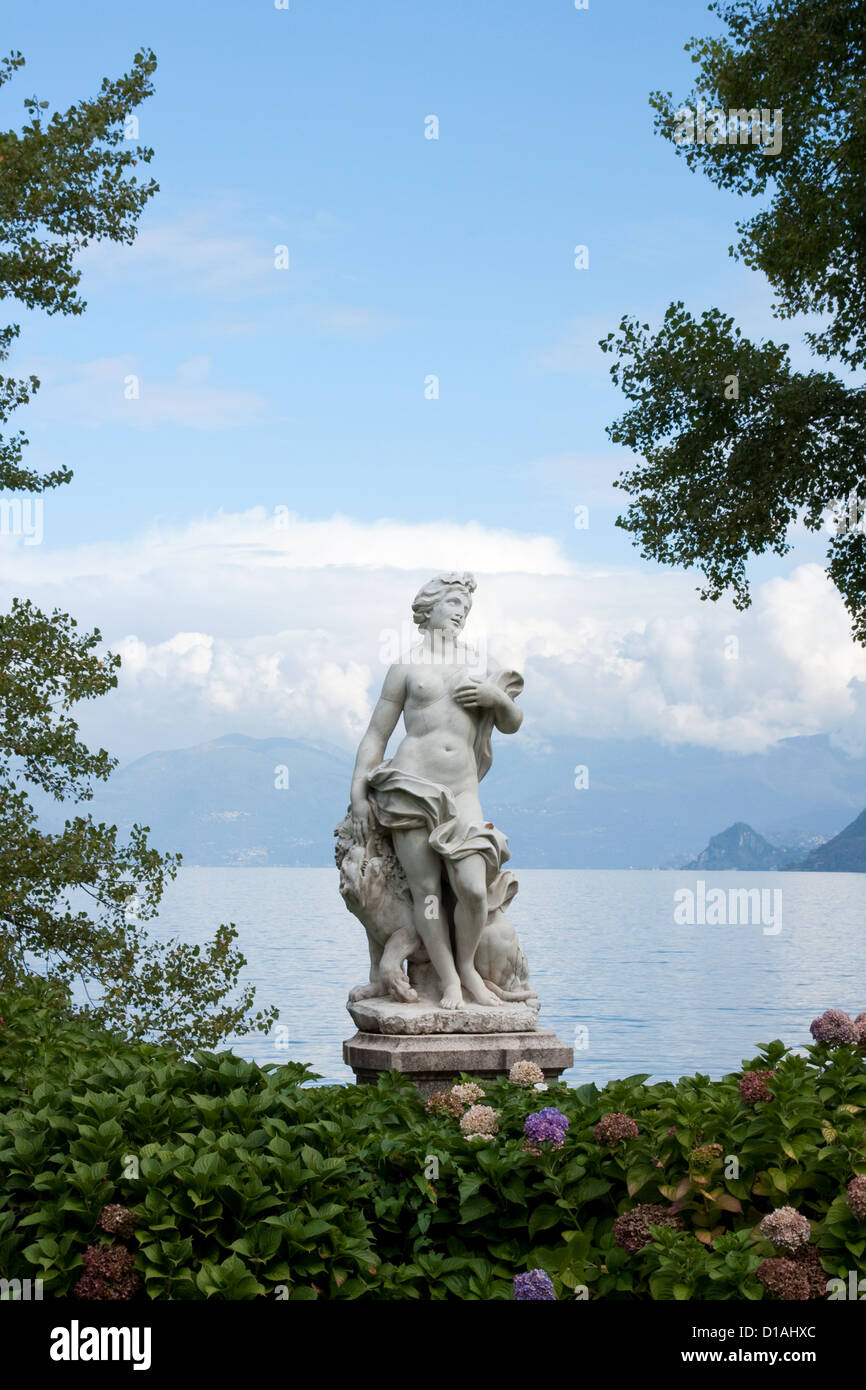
(432, 591)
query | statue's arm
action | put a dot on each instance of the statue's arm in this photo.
(507, 716)
(371, 749)
(490, 694)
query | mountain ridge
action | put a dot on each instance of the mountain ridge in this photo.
(844, 853)
(741, 847)
(639, 804)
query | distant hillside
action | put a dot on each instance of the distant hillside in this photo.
(648, 805)
(844, 854)
(740, 847)
(640, 805)
(227, 802)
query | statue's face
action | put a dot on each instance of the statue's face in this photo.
(448, 613)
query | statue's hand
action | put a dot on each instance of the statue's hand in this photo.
(360, 814)
(473, 693)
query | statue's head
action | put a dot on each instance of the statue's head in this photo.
(443, 603)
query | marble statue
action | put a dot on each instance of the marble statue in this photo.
(419, 865)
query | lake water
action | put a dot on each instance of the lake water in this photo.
(616, 973)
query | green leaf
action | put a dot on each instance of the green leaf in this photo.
(542, 1218)
(778, 1178)
(476, 1207)
(312, 1159)
(590, 1188)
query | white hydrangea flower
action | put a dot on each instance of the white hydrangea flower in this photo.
(525, 1073)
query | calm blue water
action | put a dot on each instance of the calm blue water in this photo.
(605, 952)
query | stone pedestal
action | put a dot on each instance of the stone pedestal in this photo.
(434, 1060)
(381, 1015)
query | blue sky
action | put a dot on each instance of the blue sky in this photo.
(304, 388)
(408, 256)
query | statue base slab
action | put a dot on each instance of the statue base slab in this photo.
(434, 1061)
(393, 1017)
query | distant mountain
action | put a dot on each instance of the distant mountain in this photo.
(648, 805)
(638, 805)
(740, 847)
(235, 801)
(844, 854)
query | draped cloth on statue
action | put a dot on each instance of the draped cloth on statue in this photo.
(512, 684)
(402, 801)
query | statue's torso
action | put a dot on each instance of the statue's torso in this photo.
(440, 734)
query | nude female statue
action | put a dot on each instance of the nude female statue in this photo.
(426, 796)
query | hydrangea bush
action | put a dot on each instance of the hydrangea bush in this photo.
(129, 1173)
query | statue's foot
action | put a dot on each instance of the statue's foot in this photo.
(477, 990)
(452, 998)
(400, 988)
(363, 992)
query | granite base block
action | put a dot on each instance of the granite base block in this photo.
(434, 1061)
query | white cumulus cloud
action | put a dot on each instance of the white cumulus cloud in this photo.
(268, 623)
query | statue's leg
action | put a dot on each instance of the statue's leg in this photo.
(374, 988)
(394, 981)
(423, 870)
(468, 878)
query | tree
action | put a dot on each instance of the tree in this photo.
(736, 445)
(73, 904)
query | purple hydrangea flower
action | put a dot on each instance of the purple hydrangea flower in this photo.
(834, 1027)
(536, 1284)
(547, 1124)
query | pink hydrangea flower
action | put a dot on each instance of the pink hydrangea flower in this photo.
(612, 1129)
(118, 1220)
(783, 1279)
(855, 1196)
(786, 1229)
(753, 1086)
(480, 1120)
(467, 1092)
(109, 1273)
(632, 1231)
